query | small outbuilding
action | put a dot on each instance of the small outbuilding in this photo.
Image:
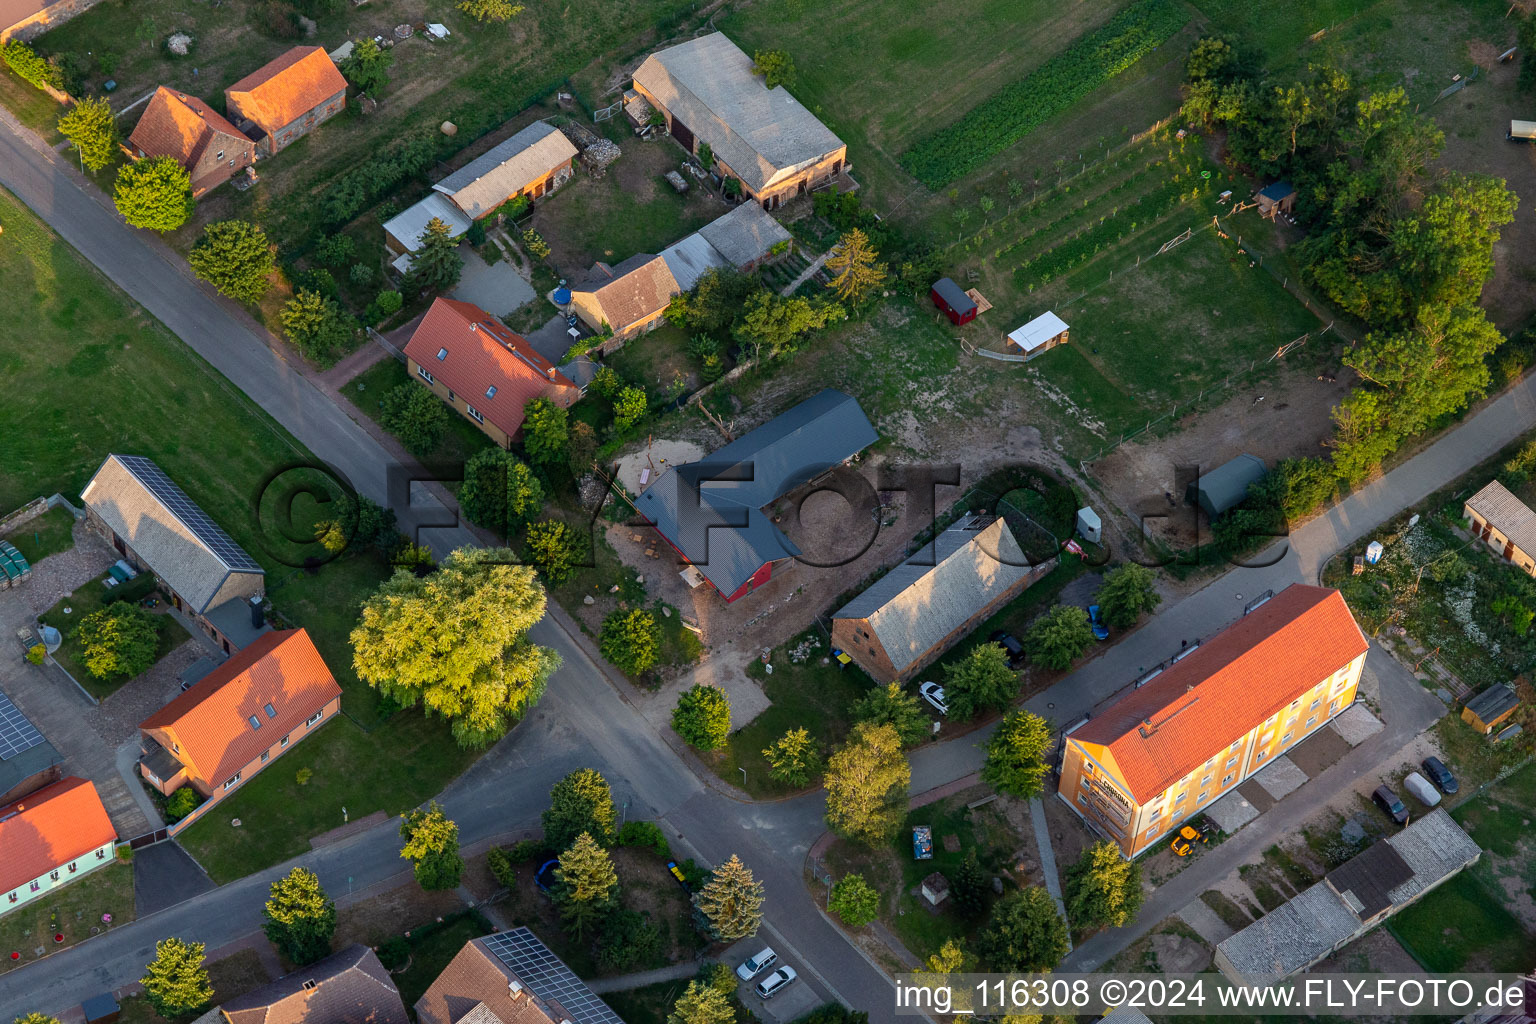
(1088, 524)
(1041, 334)
(1521, 131)
(951, 298)
(1278, 197)
(1225, 486)
(935, 889)
(1489, 709)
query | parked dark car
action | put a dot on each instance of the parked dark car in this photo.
(1389, 802)
(1009, 643)
(1439, 774)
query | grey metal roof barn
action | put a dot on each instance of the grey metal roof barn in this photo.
(1499, 508)
(728, 488)
(1226, 485)
(762, 134)
(485, 182)
(964, 570)
(176, 538)
(745, 235)
(691, 258)
(1349, 902)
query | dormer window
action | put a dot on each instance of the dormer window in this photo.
(309, 984)
(442, 354)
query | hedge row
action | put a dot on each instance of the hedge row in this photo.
(1022, 106)
(29, 67)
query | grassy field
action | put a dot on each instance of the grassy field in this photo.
(1462, 926)
(432, 947)
(83, 399)
(48, 534)
(73, 911)
(1498, 820)
(93, 597)
(367, 391)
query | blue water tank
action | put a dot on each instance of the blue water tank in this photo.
(562, 296)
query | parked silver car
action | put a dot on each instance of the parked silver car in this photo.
(776, 982)
(755, 964)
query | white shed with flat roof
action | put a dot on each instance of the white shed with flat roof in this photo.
(1045, 331)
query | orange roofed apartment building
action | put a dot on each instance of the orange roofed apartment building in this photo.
(1165, 751)
(484, 370)
(50, 838)
(286, 98)
(247, 712)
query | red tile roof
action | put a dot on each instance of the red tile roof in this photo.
(475, 978)
(211, 721)
(179, 126)
(1231, 683)
(55, 825)
(282, 91)
(482, 353)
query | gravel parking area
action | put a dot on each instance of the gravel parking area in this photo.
(62, 573)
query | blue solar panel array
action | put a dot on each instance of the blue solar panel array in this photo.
(184, 508)
(16, 733)
(548, 978)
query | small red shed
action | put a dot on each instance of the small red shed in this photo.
(951, 298)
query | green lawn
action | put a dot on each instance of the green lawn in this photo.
(809, 695)
(367, 390)
(73, 911)
(432, 947)
(93, 597)
(48, 534)
(91, 373)
(32, 107)
(1499, 819)
(277, 815)
(1460, 926)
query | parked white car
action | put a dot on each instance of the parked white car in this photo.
(1419, 786)
(933, 693)
(776, 982)
(757, 963)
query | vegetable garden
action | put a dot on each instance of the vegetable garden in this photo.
(1024, 105)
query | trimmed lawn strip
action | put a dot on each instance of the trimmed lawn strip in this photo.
(73, 911)
(93, 597)
(433, 946)
(48, 534)
(1497, 819)
(348, 769)
(1462, 925)
(367, 390)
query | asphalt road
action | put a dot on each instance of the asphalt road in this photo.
(584, 721)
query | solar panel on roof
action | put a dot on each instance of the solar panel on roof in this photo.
(193, 518)
(548, 977)
(16, 733)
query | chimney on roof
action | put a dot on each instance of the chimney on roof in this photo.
(474, 325)
(514, 987)
(258, 616)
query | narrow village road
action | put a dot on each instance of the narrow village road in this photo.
(584, 719)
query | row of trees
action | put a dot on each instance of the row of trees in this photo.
(1396, 241)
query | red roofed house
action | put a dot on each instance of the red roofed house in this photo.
(1197, 729)
(193, 134)
(247, 712)
(286, 98)
(476, 364)
(51, 837)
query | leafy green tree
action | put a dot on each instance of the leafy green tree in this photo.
(730, 905)
(1297, 487)
(607, 383)
(36, 1018)
(629, 405)
(703, 716)
(1103, 889)
(968, 886)
(335, 250)
(317, 327)
(1016, 755)
(432, 847)
(1056, 638)
(951, 959)
(630, 640)
(485, 11)
(980, 681)
(368, 66)
(182, 803)
(866, 785)
(581, 450)
(854, 901)
(92, 127)
(702, 1004)
(545, 433)
(154, 193)
(499, 491)
(300, 918)
(793, 758)
(706, 155)
(1211, 58)
(555, 550)
(776, 325)
(536, 244)
(1125, 593)
(235, 257)
(892, 705)
(436, 264)
(118, 640)
(457, 642)
(176, 981)
(417, 418)
(776, 67)
(715, 301)
(856, 270)
(589, 886)
(389, 302)
(1025, 933)
(580, 802)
